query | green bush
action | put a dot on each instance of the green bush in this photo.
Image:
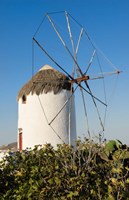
(89, 171)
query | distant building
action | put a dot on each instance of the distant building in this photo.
(4, 149)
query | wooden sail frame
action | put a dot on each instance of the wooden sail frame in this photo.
(81, 77)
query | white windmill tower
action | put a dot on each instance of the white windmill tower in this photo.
(46, 102)
(41, 118)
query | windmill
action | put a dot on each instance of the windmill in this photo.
(64, 43)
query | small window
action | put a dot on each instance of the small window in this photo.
(24, 98)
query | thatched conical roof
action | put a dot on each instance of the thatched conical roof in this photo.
(46, 80)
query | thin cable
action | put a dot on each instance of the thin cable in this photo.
(48, 55)
(79, 70)
(76, 66)
(39, 26)
(78, 74)
(101, 123)
(57, 134)
(109, 61)
(85, 111)
(113, 90)
(105, 96)
(75, 20)
(33, 74)
(96, 47)
(93, 43)
(89, 38)
(79, 39)
(47, 120)
(91, 60)
(43, 110)
(61, 39)
(66, 48)
(51, 13)
(83, 29)
(104, 88)
(32, 59)
(63, 105)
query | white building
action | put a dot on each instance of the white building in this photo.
(46, 113)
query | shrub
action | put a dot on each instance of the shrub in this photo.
(89, 171)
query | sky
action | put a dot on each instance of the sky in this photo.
(107, 22)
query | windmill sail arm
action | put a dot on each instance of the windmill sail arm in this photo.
(52, 58)
(111, 73)
(95, 78)
(85, 111)
(69, 30)
(66, 71)
(79, 79)
(62, 41)
(101, 123)
(79, 39)
(63, 105)
(90, 62)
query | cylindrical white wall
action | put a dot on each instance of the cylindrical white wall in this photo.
(35, 115)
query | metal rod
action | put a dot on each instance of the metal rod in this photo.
(95, 78)
(110, 73)
(39, 26)
(79, 39)
(69, 29)
(61, 39)
(52, 58)
(91, 60)
(85, 110)
(101, 123)
(77, 71)
(47, 119)
(66, 72)
(79, 78)
(63, 105)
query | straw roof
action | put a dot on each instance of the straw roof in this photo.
(46, 80)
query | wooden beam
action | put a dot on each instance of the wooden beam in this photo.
(79, 79)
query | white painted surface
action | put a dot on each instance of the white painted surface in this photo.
(34, 116)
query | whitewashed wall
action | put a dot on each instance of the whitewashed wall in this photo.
(32, 120)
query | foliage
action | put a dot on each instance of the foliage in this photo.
(89, 171)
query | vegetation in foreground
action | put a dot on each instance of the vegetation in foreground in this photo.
(91, 171)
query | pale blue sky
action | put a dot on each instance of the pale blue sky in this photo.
(107, 22)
